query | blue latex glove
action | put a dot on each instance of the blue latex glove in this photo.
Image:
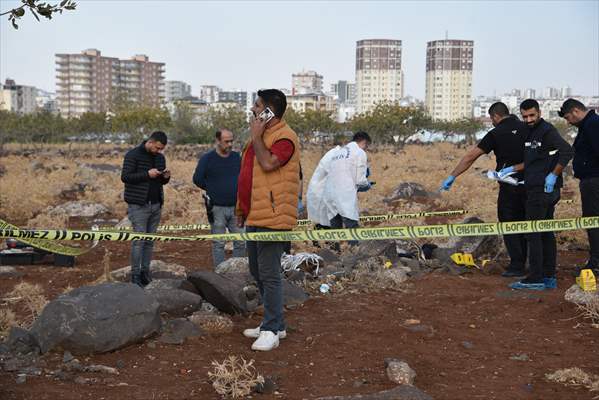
(446, 185)
(550, 182)
(503, 172)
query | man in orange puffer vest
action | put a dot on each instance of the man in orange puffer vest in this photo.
(267, 196)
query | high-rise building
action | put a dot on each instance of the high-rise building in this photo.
(239, 97)
(566, 92)
(174, 90)
(17, 98)
(209, 93)
(345, 92)
(306, 82)
(91, 82)
(530, 93)
(312, 101)
(550, 93)
(449, 79)
(379, 77)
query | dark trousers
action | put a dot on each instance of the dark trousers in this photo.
(589, 194)
(511, 206)
(340, 222)
(265, 266)
(144, 219)
(542, 250)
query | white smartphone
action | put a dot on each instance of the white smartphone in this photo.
(266, 115)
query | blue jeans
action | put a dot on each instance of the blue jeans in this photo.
(225, 218)
(144, 219)
(340, 222)
(265, 266)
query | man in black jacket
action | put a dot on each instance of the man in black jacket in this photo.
(586, 168)
(144, 172)
(506, 140)
(546, 154)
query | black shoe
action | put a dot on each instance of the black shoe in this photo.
(512, 273)
(145, 277)
(136, 280)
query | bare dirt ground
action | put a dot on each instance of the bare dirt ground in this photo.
(469, 329)
(476, 339)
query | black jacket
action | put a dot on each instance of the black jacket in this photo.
(586, 144)
(543, 150)
(135, 176)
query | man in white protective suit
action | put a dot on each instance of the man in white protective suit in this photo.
(333, 189)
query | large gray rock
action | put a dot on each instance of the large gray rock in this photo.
(404, 392)
(21, 341)
(79, 209)
(578, 296)
(399, 371)
(177, 330)
(163, 284)
(293, 295)
(234, 265)
(479, 246)
(176, 302)
(97, 319)
(159, 270)
(227, 292)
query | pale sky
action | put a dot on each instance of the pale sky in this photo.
(250, 44)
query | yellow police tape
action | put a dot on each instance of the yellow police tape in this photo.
(379, 233)
(49, 245)
(303, 222)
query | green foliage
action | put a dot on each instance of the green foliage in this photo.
(140, 121)
(467, 127)
(37, 8)
(305, 123)
(387, 120)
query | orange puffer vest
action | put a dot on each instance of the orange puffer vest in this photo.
(275, 193)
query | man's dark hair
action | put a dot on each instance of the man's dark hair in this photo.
(569, 105)
(275, 100)
(361, 135)
(529, 103)
(158, 136)
(499, 109)
(217, 134)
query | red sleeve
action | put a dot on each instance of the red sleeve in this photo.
(283, 149)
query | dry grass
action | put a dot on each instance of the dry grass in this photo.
(234, 377)
(574, 377)
(212, 323)
(26, 193)
(33, 298)
(590, 309)
(7, 320)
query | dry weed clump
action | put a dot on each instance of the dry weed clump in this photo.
(590, 309)
(33, 298)
(211, 323)
(234, 377)
(55, 220)
(7, 320)
(574, 377)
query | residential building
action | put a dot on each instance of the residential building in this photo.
(550, 93)
(46, 101)
(312, 101)
(90, 82)
(530, 93)
(345, 92)
(306, 82)
(174, 90)
(566, 92)
(209, 93)
(449, 79)
(379, 77)
(18, 98)
(240, 97)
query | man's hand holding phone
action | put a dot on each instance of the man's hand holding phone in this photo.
(154, 173)
(166, 173)
(257, 127)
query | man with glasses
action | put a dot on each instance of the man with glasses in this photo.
(217, 173)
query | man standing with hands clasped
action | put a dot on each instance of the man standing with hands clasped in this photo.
(546, 154)
(267, 199)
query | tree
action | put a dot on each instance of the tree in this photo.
(185, 127)
(140, 121)
(91, 122)
(36, 7)
(390, 122)
(309, 121)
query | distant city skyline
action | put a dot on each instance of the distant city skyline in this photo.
(231, 45)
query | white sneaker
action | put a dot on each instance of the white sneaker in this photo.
(266, 341)
(255, 332)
